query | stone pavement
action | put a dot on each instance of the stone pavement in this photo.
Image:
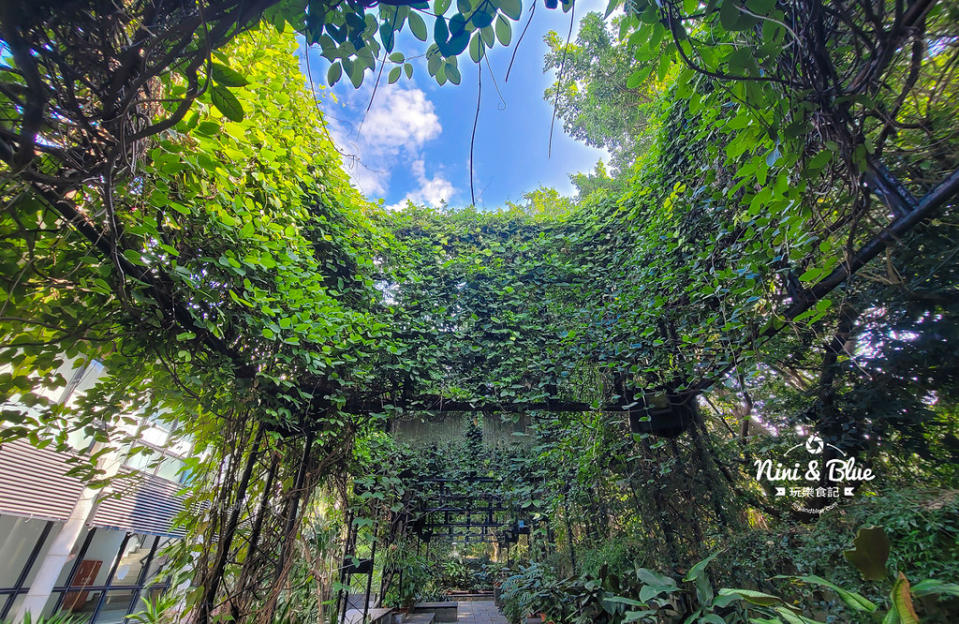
(479, 612)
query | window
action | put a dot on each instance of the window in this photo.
(20, 548)
(107, 578)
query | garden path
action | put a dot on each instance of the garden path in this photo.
(478, 612)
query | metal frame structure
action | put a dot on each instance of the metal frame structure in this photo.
(354, 566)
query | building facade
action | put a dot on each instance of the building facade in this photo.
(92, 552)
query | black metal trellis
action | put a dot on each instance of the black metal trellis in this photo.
(474, 516)
(354, 566)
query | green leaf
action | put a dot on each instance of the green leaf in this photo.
(395, 74)
(356, 74)
(440, 6)
(387, 36)
(741, 61)
(503, 31)
(729, 15)
(208, 128)
(476, 47)
(612, 6)
(794, 618)
(457, 25)
(650, 577)
(226, 103)
(489, 37)
(408, 68)
(134, 257)
(455, 45)
(870, 552)
(891, 617)
(819, 161)
(441, 32)
(434, 60)
(482, 19)
(334, 73)
(227, 77)
(852, 599)
(902, 599)
(512, 8)
(699, 568)
(635, 79)
(755, 597)
(648, 592)
(453, 73)
(417, 25)
(761, 7)
(932, 587)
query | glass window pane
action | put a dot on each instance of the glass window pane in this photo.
(160, 559)
(16, 603)
(115, 606)
(95, 566)
(170, 469)
(143, 458)
(65, 572)
(80, 602)
(133, 560)
(17, 539)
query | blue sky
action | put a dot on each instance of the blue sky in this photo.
(414, 142)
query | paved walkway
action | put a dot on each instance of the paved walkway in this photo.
(479, 612)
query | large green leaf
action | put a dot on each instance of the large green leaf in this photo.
(503, 31)
(476, 47)
(225, 76)
(417, 25)
(699, 569)
(852, 599)
(226, 103)
(870, 553)
(333, 74)
(902, 601)
(755, 597)
(794, 618)
(512, 8)
(932, 587)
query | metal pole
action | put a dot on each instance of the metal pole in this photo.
(369, 579)
(347, 547)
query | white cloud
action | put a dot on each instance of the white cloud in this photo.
(400, 118)
(433, 191)
(400, 122)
